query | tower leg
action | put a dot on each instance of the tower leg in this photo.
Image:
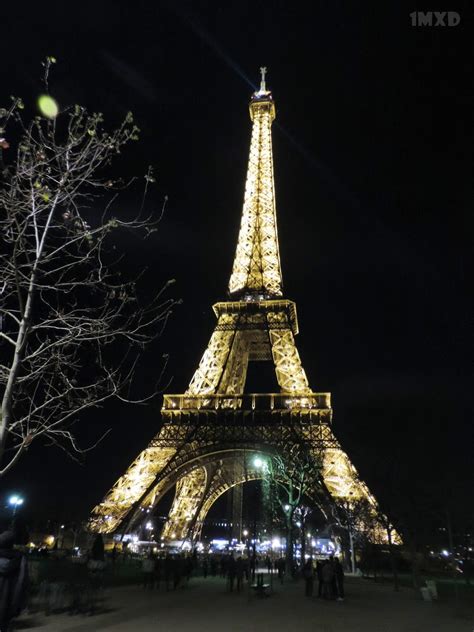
(130, 487)
(190, 490)
(237, 501)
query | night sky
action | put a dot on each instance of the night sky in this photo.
(373, 166)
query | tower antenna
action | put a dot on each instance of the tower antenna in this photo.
(263, 72)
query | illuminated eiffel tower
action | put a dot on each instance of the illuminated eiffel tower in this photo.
(212, 433)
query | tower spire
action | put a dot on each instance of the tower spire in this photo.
(263, 72)
(256, 271)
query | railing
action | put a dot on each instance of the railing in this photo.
(251, 401)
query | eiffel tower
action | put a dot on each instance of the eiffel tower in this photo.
(211, 434)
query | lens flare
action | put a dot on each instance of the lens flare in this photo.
(48, 106)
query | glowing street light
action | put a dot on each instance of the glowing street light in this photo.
(15, 501)
(258, 462)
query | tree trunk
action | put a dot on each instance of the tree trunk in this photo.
(393, 560)
(352, 552)
(303, 543)
(289, 546)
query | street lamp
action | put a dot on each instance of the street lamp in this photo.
(15, 501)
(258, 462)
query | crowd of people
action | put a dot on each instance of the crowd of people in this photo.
(172, 571)
(330, 576)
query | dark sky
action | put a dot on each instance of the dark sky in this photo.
(373, 165)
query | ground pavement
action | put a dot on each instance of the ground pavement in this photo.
(205, 606)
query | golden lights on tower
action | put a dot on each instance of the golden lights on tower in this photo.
(196, 449)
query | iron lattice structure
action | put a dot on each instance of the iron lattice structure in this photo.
(211, 432)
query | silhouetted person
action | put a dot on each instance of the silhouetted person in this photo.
(231, 571)
(308, 578)
(158, 572)
(168, 567)
(178, 564)
(268, 562)
(97, 550)
(334, 581)
(339, 576)
(204, 568)
(188, 566)
(13, 580)
(319, 574)
(246, 568)
(280, 565)
(213, 566)
(224, 565)
(239, 572)
(148, 569)
(253, 566)
(328, 579)
(125, 551)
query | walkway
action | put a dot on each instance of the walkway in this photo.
(204, 606)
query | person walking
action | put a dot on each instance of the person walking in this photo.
(13, 580)
(308, 576)
(339, 576)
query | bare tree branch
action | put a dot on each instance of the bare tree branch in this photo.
(73, 321)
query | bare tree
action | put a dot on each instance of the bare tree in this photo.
(302, 514)
(356, 518)
(73, 322)
(292, 480)
(366, 523)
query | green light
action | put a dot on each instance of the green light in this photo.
(48, 106)
(258, 462)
